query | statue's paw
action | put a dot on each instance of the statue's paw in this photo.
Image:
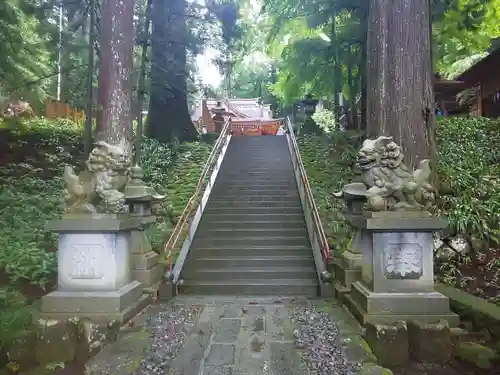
(406, 206)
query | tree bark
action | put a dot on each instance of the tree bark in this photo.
(168, 115)
(115, 73)
(142, 82)
(400, 97)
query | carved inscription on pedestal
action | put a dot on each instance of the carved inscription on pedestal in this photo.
(403, 260)
(87, 262)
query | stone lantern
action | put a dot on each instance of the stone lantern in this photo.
(347, 267)
(218, 119)
(140, 197)
(310, 126)
(141, 200)
(309, 105)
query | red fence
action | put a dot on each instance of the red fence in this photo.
(255, 127)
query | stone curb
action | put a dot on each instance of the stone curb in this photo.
(358, 351)
(356, 348)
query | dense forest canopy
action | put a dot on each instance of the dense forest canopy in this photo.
(275, 49)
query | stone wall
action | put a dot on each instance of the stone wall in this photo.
(51, 344)
(477, 314)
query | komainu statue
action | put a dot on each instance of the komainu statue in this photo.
(99, 187)
(387, 183)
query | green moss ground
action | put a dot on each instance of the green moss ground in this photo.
(32, 156)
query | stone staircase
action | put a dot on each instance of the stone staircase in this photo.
(252, 238)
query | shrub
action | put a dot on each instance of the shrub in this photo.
(328, 163)
(325, 119)
(469, 171)
(32, 188)
(15, 316)
(468, 168)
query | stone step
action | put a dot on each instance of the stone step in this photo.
(243, 203)
(273, 192)
(243, 173)
(251, 192)
(250, 217)
(281, 167)
(250, 241)
(201, 261)
(243, 191)
(252, 224)
(245, 273)
(229, 250)
(251, 199)
(273, 287)
(226, 233)
(244, 212)
(257, 163)
(264, 182)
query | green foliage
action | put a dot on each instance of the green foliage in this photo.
(319, 43)
(24, 54)
(32, 190)
(328, 163)
(31, 194)
(309, 127)
(462, 28)
(26, 204)
(325, 119)
(176, 174)
(469, 168)
(15, 316)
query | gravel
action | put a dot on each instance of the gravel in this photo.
(317, 336)
(169, 329)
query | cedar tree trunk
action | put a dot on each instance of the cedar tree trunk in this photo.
(400, 97)
(168, 115)
(115, 72)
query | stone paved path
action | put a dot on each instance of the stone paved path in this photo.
(226, 336)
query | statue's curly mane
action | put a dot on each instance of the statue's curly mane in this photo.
(391, 156)
(101, 182)
(380, 152)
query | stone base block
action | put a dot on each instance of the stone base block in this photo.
(389, 343)
(167, 291)
(101, 306)
(351, 260)
(430, 342)
(340, 292)
(144, 261)
(346, 276)
(387, 308)
(326, 290)
(148, 277)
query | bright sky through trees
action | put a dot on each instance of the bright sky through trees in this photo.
(207, 70)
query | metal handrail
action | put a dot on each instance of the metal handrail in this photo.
(318, 226)
(190, 206)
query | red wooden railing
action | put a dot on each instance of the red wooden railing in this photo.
(184, 222)
(318, 230)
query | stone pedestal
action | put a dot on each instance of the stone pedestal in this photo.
(94, 271)
(347, 268)
(145, 267)
(397, 277)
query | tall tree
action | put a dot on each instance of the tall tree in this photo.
(400, 98)
(168, 115)
(115, 72)
(226, 12)
(25, 59)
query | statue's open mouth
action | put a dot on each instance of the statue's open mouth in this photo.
(363, 160)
